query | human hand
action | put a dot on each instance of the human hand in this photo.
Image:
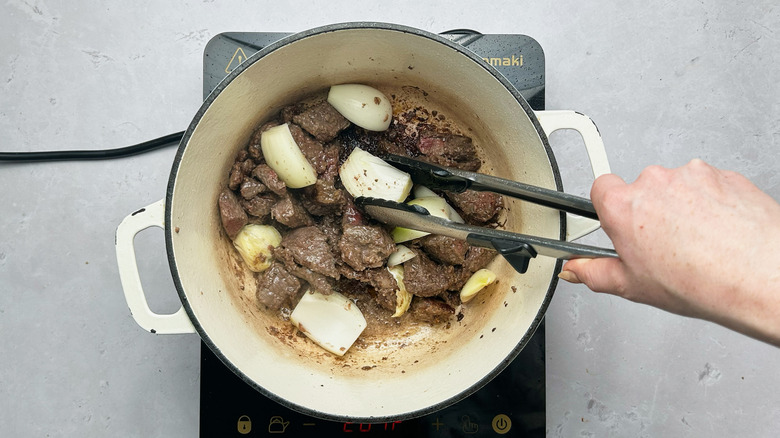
(696, 241)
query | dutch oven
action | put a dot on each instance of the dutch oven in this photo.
(404, 374)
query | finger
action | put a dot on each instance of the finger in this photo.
(603, 185)
(606, 275)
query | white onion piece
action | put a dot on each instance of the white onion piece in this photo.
(478, 281)
(403, 298)
(364, 174)
(256, 243)
(362, 105)
(283, 155)
(436, 206)
(400, 255)
(332, 321)
(422, 192)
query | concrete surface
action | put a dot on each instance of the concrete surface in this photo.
(665, 82)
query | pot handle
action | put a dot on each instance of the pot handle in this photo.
(152, 215)
(551, 121)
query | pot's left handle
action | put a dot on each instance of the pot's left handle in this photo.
(152, 215)
(551, 121)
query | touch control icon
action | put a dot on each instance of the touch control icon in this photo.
(468, 426)
(244, 424)
(277, 425)
(501, 424)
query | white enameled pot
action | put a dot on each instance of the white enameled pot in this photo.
(405, 374)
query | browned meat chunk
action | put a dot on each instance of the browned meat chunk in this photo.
(478, 257)
(271, 180)
(445, 249)
(322, 121)
(236, 176)
(424, 277)
(328, 164)
(290, 212)
(251, 188)
(277, 288)
(323, 198)
(331, 227)
(431, 310)
(259, 206)
(312, 149)
(365, 246)
(477, 208)
(317, 281)
(452, 298)
(232, 214)
(382, 283)
(351, 215)
(309, 248)
(448, 149)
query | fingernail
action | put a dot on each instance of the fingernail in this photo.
(569, 276)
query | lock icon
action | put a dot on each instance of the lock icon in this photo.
(244, 424)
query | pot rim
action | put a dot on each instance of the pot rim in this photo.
(196, 120)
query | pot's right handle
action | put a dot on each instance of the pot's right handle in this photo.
(152, 215)
(551, 121)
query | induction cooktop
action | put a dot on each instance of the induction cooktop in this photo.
(512, 404)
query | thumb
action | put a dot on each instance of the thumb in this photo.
(607, 275)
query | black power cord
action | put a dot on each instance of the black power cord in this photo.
(101, 154)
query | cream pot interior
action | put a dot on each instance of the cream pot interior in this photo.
(418, 369)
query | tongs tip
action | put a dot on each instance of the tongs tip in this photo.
(430, 175)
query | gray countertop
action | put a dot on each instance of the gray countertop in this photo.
(665, 83)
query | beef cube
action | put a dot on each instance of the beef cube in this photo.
(385, 287)
(326, 193)
(424, 277)
(477, 208)
(382, 284)
(351, 215)
(251, 187)
(259, 206)
(270, 179)
(330, 160)
(232, 214)
(290, 212)
(291, 111)
(312, 149)
(277, 287)
(478, 257)
(322, 121)
(316, 281)
(431, 310)
(445, 249)
(331, 227)
(448, 149)
(365, 246)
(309, 248)
(323, 198)
(452, 298)
(236, 176)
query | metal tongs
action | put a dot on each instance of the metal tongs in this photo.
(518, 249)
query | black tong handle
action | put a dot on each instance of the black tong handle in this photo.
(538, 195)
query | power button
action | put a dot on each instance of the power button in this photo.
(501, 424)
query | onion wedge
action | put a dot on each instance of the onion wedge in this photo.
(283, 155)
(362, 105)
(332, 321)
(478, 281)
(364, 174)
